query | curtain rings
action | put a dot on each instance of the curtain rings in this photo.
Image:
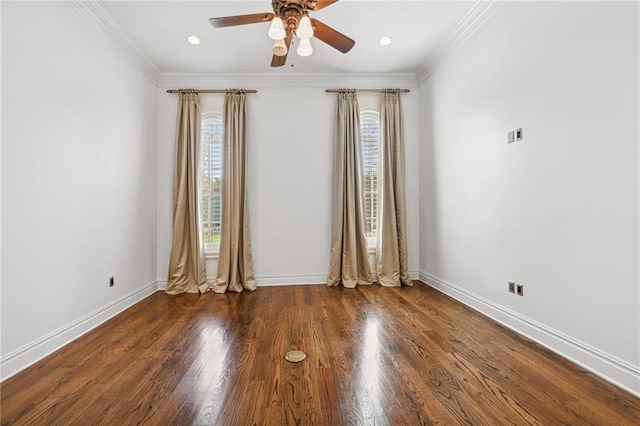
(391, 91)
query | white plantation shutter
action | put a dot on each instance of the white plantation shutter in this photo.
(210, 179)
(369, 130)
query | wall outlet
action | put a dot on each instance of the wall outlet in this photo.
(515, 135)
(519, 135)
(111, 282)
(520, 289)
(512, 287)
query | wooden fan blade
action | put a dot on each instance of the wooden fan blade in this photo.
(321, 4)
(229, 21)
(278, 61)
(333, 38)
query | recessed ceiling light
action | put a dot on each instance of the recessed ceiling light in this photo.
(385, 41)
(193, 40)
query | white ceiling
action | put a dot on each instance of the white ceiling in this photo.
(159, 30)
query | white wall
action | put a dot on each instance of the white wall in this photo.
(290, 133)
(78, 180)
(558, 211)
(87, 162)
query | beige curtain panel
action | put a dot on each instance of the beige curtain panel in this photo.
(235, 263)
(391, 264)
(186, 265)
(349, 261)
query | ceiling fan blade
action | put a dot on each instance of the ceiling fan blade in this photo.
(333, 38)
(321, 4)
(278, 61)
(229, 21)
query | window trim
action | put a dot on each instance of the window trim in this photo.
(211, 250)
(371, 115)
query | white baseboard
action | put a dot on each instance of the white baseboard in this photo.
(286, 279)
(272, 280)
(604, 365)
(162, 285)
(30, 353)
(294, 279)
(290, 279)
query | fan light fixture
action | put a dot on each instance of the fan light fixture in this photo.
(305, 30)
(276, 31)
(290, 19)
(279, 48)
(305, 48)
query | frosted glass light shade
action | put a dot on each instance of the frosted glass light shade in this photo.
(305, 30)
(279, 48)
(276, 31)
(305, 48)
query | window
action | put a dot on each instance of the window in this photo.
(369, 131)
(211, 179)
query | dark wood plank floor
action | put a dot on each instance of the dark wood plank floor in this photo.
(375, 356)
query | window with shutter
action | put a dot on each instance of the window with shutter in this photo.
(210, 180)
(369, 130)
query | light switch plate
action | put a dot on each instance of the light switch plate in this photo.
(519, 134)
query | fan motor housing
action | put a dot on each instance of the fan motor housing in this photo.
(291, 11)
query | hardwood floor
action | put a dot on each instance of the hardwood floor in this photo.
(374, 356)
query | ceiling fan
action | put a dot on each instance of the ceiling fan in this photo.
(291, 17)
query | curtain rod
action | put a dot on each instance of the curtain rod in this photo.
(366, 90)
(215, 90)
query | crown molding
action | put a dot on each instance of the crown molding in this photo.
(477, 16)
(178, 80)
(109, 29)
